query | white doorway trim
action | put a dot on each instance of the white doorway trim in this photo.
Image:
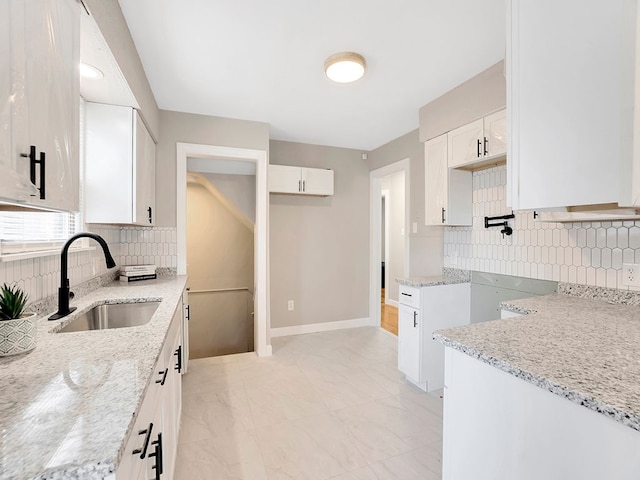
(262, 321)
(375, 205)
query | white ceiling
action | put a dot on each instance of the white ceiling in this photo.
(263, 60)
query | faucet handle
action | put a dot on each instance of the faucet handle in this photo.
(71, 295)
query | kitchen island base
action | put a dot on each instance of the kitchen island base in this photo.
(500, 427)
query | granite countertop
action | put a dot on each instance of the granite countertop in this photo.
(585, 350)
(67, 407)
(431, 281)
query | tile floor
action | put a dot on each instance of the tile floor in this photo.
(328, 405)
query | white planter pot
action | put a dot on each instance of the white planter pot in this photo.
(18, 335)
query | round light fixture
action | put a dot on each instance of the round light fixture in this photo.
(89, 71)
(345, 67)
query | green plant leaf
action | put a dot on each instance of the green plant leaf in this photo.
(12, 302)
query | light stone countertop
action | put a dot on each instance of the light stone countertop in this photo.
(585, 350)
(67, 407)
(430, 281)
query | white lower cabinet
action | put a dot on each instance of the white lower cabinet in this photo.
(422, 311)
(500, 427)
(150, 451)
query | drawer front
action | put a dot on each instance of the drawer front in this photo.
(409, 296)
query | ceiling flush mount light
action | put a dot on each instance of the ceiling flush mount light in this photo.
(345, 67)
(89, 71)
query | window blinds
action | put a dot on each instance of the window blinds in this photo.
(31, 231)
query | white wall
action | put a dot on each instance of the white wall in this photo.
(394, 267)
(584, 253)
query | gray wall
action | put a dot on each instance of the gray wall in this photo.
(190, 128)
(425, 246)
(480, 95)
(319, 246)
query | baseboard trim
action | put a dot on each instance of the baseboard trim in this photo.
(320, 327)
(386, 332)
(393, 303)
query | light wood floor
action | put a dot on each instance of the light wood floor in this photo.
(388, 316)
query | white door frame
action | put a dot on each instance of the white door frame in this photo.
(261, 324)
(375, 257)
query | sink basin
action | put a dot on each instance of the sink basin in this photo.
(115, 315)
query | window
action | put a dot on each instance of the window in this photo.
(22, 232)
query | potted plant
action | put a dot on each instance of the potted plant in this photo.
(17, 328)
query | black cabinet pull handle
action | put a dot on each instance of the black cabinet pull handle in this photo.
(32, 169)
(407, 294)
(443, 215)
(147, 433)
(164, 376)
(188, 313)
(150, 214)
(178, 353)
(478, 154)
(304, 185)
(415, 318)
(486, 143)
(158, 467)
(299, 185)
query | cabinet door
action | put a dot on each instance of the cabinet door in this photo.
(466, 144)
(284, 179)
(108, 164)
(184, 335)
(144, 180)
(172, 407)
(14, 175)
(44, 93)
(444, 306)
(556, 88)
(135, 460)
(435, 180)
(409, 344)
(495, 133)
(317, 181)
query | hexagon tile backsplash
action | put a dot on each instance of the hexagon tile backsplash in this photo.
(40, 277)
(584, 253)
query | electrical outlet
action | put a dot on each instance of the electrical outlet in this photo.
(631, 274)
(290, 305)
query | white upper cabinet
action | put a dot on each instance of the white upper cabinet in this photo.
(478, 141)
(448, 192)
(39, 104)
(570, 66)
(300, 180)
(119, 166)
(495, 134)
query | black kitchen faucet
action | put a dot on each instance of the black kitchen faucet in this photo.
(63, 291)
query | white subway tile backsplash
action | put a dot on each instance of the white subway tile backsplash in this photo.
(585, 253)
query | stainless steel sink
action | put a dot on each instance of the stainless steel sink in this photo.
(114, 315)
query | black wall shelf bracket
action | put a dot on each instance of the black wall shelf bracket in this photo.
(506, 229)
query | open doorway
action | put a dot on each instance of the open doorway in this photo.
(389, 197)
(220, 264)
(205, 153)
